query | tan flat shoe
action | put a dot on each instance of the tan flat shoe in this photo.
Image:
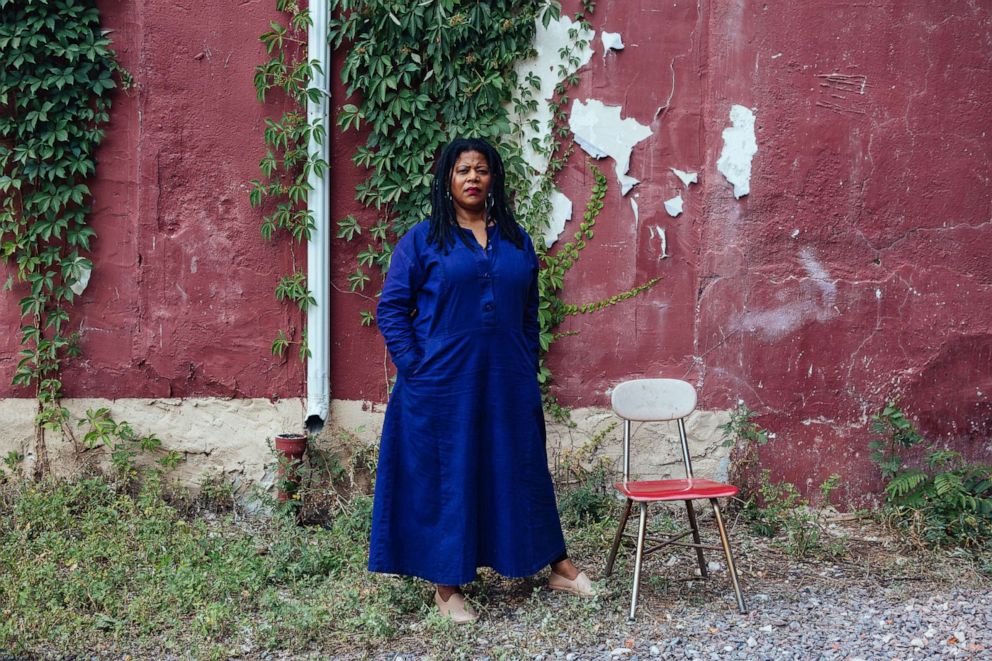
(455, 608)
(580, 585)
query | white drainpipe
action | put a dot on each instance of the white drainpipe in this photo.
(319, 247)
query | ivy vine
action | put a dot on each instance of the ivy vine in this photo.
(426, 72)
(56, 78)
(422, 73)
(288, 162)
(553, 310)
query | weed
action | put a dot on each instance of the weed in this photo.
(743, 435)
(779, 510)
(946, 501)
(774, 509)
(14, 461)
(124, 445)
(589, 502)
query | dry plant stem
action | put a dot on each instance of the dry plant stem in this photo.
(41, 466)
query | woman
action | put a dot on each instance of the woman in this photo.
(463, 477)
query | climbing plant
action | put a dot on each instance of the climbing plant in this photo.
(425, 72)
(288, 162)
(553, 310)
(56, 78)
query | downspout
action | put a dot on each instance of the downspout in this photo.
(319, 246)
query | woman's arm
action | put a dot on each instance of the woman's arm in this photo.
(397, 304)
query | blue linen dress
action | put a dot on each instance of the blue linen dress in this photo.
(463, 479)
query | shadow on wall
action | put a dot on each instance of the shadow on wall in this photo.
(952, 395)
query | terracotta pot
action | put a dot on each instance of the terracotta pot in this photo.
(292, 447)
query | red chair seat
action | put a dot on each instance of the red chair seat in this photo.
(690, 489)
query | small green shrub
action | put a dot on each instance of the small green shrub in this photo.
(946, 501)
(589, 502)
(774, 509)
(123, 444)
(743, 435)
(779, 510)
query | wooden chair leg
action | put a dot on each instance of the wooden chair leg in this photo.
(695, 537)
(641, 533)
(730, 557)
(618, 537)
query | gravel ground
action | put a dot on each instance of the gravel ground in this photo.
(876, 601)
(813, 623)
(817, 623)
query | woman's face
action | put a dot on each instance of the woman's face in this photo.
(470, 181)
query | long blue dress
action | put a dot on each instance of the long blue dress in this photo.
(463, 479)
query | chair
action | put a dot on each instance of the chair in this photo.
(655, 400)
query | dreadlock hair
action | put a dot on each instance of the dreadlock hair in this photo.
(443, 222)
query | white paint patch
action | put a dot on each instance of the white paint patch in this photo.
(543, 67)
(633, 206)
(79, 286)
(739, 146)
(655, 230)
(193, 265)
(217, 436)
(561, 210)
(686, 177)
(601, 132)
(611, 41)
(817, 299)
(795, 233)
(548, 41)
(878, 294)
(674, 206)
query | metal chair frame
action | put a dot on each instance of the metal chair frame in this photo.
(641, 536)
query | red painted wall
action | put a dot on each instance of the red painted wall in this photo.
(889, 190)
(886, 288)
(181, 298)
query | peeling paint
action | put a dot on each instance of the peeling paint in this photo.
(601, 131)
(633, 206)
(655, 230)
(611, 41)
(674, 206)
(686, 177)
(79, 286)
(561, 210)
(739, 146)
(548, 41)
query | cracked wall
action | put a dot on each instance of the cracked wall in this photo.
(180, 302)
(226, 438)
(851, 268)
(850, 265)
(855, 267)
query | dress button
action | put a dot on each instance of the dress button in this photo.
(488, 307)
(485, 275)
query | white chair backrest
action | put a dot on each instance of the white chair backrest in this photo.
(647, 400)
